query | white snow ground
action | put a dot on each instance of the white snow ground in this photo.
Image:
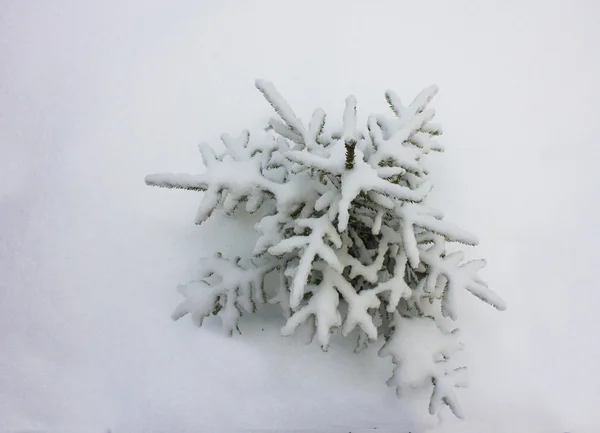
(94, 95)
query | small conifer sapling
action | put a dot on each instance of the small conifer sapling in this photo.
(345, 227)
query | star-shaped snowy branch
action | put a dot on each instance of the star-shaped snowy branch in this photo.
(417, 214)
(460, 277)
(225, 285)
(236, 173)
(311, 245)
(421, 353)
(323, 305)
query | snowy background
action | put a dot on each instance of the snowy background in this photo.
(95, 95)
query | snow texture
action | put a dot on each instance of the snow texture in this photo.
(95, 95)
(343, 222)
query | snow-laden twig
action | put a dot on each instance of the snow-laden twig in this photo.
(421, 352)
(224, 287)
(311, 245)
(460, 277)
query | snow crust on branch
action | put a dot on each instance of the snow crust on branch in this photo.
(344, 225)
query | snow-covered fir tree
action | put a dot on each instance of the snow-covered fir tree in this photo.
(345, 227)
